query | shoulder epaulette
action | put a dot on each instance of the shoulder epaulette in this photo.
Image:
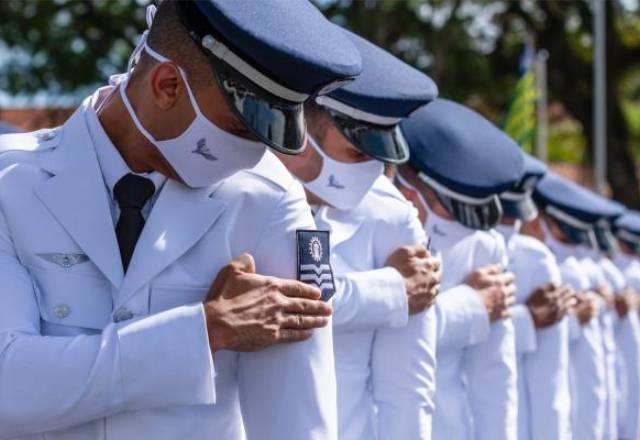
(33, 141)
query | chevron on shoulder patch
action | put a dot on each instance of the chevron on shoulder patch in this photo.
(314, 265)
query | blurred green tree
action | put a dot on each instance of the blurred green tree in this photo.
(59, 46)
(471, 48)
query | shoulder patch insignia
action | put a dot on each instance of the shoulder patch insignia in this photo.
(314, 265)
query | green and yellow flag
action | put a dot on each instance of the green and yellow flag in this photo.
(520, 119)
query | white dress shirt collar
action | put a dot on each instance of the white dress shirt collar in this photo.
(111, 163)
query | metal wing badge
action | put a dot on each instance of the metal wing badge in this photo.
(314, 266)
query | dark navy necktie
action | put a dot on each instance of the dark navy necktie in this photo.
(131, 192)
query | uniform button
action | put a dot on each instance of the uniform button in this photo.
(122, 314)
(62, 311)
(47, 135)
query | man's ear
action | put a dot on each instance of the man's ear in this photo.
(166, 85)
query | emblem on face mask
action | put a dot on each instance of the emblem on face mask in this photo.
(203, 150)
(314, 266)
(333, 183)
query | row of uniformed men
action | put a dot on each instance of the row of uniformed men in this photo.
(89, 349)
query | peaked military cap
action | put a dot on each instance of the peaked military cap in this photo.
(369, 109)
(517, 202)
(464, 158)
(270, 57)
(574, 208)
(627, 229)
(603, 227)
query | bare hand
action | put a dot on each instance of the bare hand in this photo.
(607, 295)
(248, 312)
(625, 302)
(549, 304)
(496, 289)
(421, 273)
(586, 306)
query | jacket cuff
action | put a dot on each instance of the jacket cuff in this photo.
(165, 360)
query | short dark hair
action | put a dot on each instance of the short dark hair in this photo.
(170, 38)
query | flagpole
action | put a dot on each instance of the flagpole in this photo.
(542, 137)
(599, 94)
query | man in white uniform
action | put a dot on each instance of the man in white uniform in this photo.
(476, 393)
(627, 232)
(567, 210)
(114, 227)
(626, 327)
(384, 330)
(542, 330)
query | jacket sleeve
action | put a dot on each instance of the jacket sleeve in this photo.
(525, 330)
(588, 388)
(462, 318)
(491, 373)
(628, 343)
(369, 300)
(546, 373)
(49, 383)
(492, 385)
(289, 390)
(403, 359)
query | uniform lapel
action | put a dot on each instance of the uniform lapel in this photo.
(179, 218)
(77, 197)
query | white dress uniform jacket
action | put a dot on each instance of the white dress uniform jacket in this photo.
(384, 358)
(87, 352)
(630, 420)
(627, 339)
(589, 258)
(544, 399)
(476, 393)
(587, 358)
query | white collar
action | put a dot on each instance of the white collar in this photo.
(112, 164)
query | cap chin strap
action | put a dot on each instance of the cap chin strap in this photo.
(513, 196)
(567, 218)
(357, 114)
(222, 52)
(452, 194)
(628, 237)
(573, 222)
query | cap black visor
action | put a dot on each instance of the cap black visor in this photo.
(278, 123)
(522, 209)
(606, 240)
(384, 143)
(482, 216)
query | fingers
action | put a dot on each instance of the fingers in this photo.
(310, 307)
(509, 301)
(296, 289)
(302, 322)
(507, 278)
(420, 251)
(492, 269)
(293, 335)
(244, 263)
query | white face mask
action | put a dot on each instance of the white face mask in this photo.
(409, 186)
(203, 154)
(343, 185)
